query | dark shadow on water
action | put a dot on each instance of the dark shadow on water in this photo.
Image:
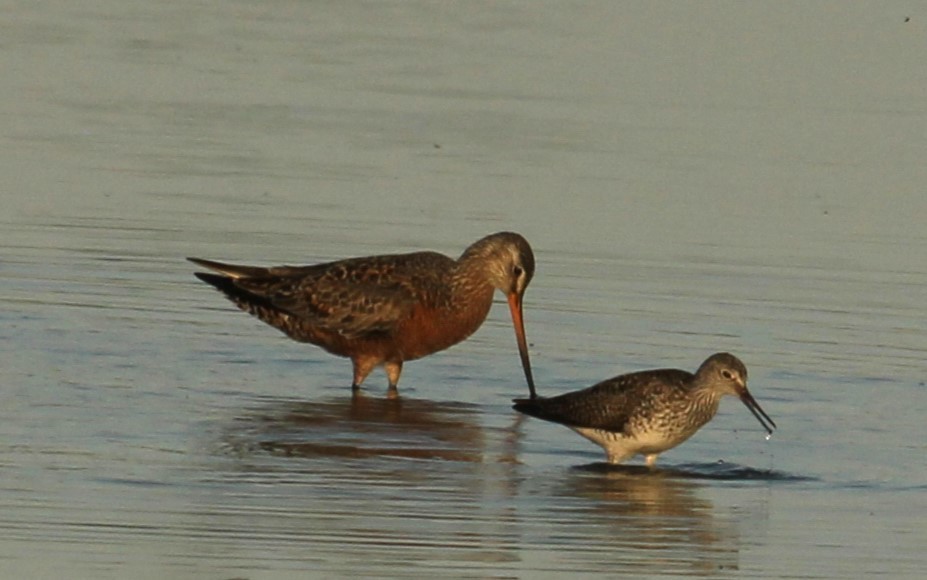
(358, 427)
(719, 471)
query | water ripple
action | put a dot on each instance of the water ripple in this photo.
(718, 471)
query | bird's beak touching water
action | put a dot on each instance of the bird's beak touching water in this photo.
(518, 320)
(757, 411)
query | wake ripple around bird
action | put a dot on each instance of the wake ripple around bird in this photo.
(719, 471)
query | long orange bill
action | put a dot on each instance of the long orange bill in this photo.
(757, 411)
(518, 321)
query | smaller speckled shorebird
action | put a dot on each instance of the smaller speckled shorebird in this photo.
(648, 412)
(385, 310)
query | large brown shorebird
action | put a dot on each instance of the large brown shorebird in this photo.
(648, 412)
(385, 310)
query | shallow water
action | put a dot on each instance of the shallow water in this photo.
(693, 178)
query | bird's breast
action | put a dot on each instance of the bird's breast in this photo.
(429, 330)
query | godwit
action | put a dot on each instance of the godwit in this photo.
(385, 310)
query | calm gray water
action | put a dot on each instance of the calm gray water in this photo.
(693, 177)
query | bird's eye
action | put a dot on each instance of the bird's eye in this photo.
(517, 271)
(727, 375)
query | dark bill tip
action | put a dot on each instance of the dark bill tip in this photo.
(758, 412)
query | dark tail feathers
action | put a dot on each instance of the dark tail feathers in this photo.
(529, 407)
(252, 303)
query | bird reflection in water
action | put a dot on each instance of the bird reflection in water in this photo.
(358, 427)
(656, 517)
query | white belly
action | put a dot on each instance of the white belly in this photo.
(619, 446)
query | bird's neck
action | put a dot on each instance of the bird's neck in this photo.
(470, 277)
(706, 402)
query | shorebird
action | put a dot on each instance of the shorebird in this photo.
(385, 310)
(648, 412)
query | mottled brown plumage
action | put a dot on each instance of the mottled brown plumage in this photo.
(385, 310)
(648, 412)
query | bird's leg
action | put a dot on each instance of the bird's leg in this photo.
(362, 368)
(651, 460)
(393, 370)
(615, 453)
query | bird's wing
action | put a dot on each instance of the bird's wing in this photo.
(607, 405)
(234, 271)
(353, 297)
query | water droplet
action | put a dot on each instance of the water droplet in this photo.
(768, 436)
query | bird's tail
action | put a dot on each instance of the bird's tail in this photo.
(252, 303)
(533, 407)
(245, 300)
(229, 270)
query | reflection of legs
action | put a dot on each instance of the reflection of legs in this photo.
(393, 370)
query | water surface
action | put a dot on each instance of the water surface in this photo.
(693, 178)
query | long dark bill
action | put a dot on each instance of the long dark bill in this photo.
(518, 321)
(757, 411)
